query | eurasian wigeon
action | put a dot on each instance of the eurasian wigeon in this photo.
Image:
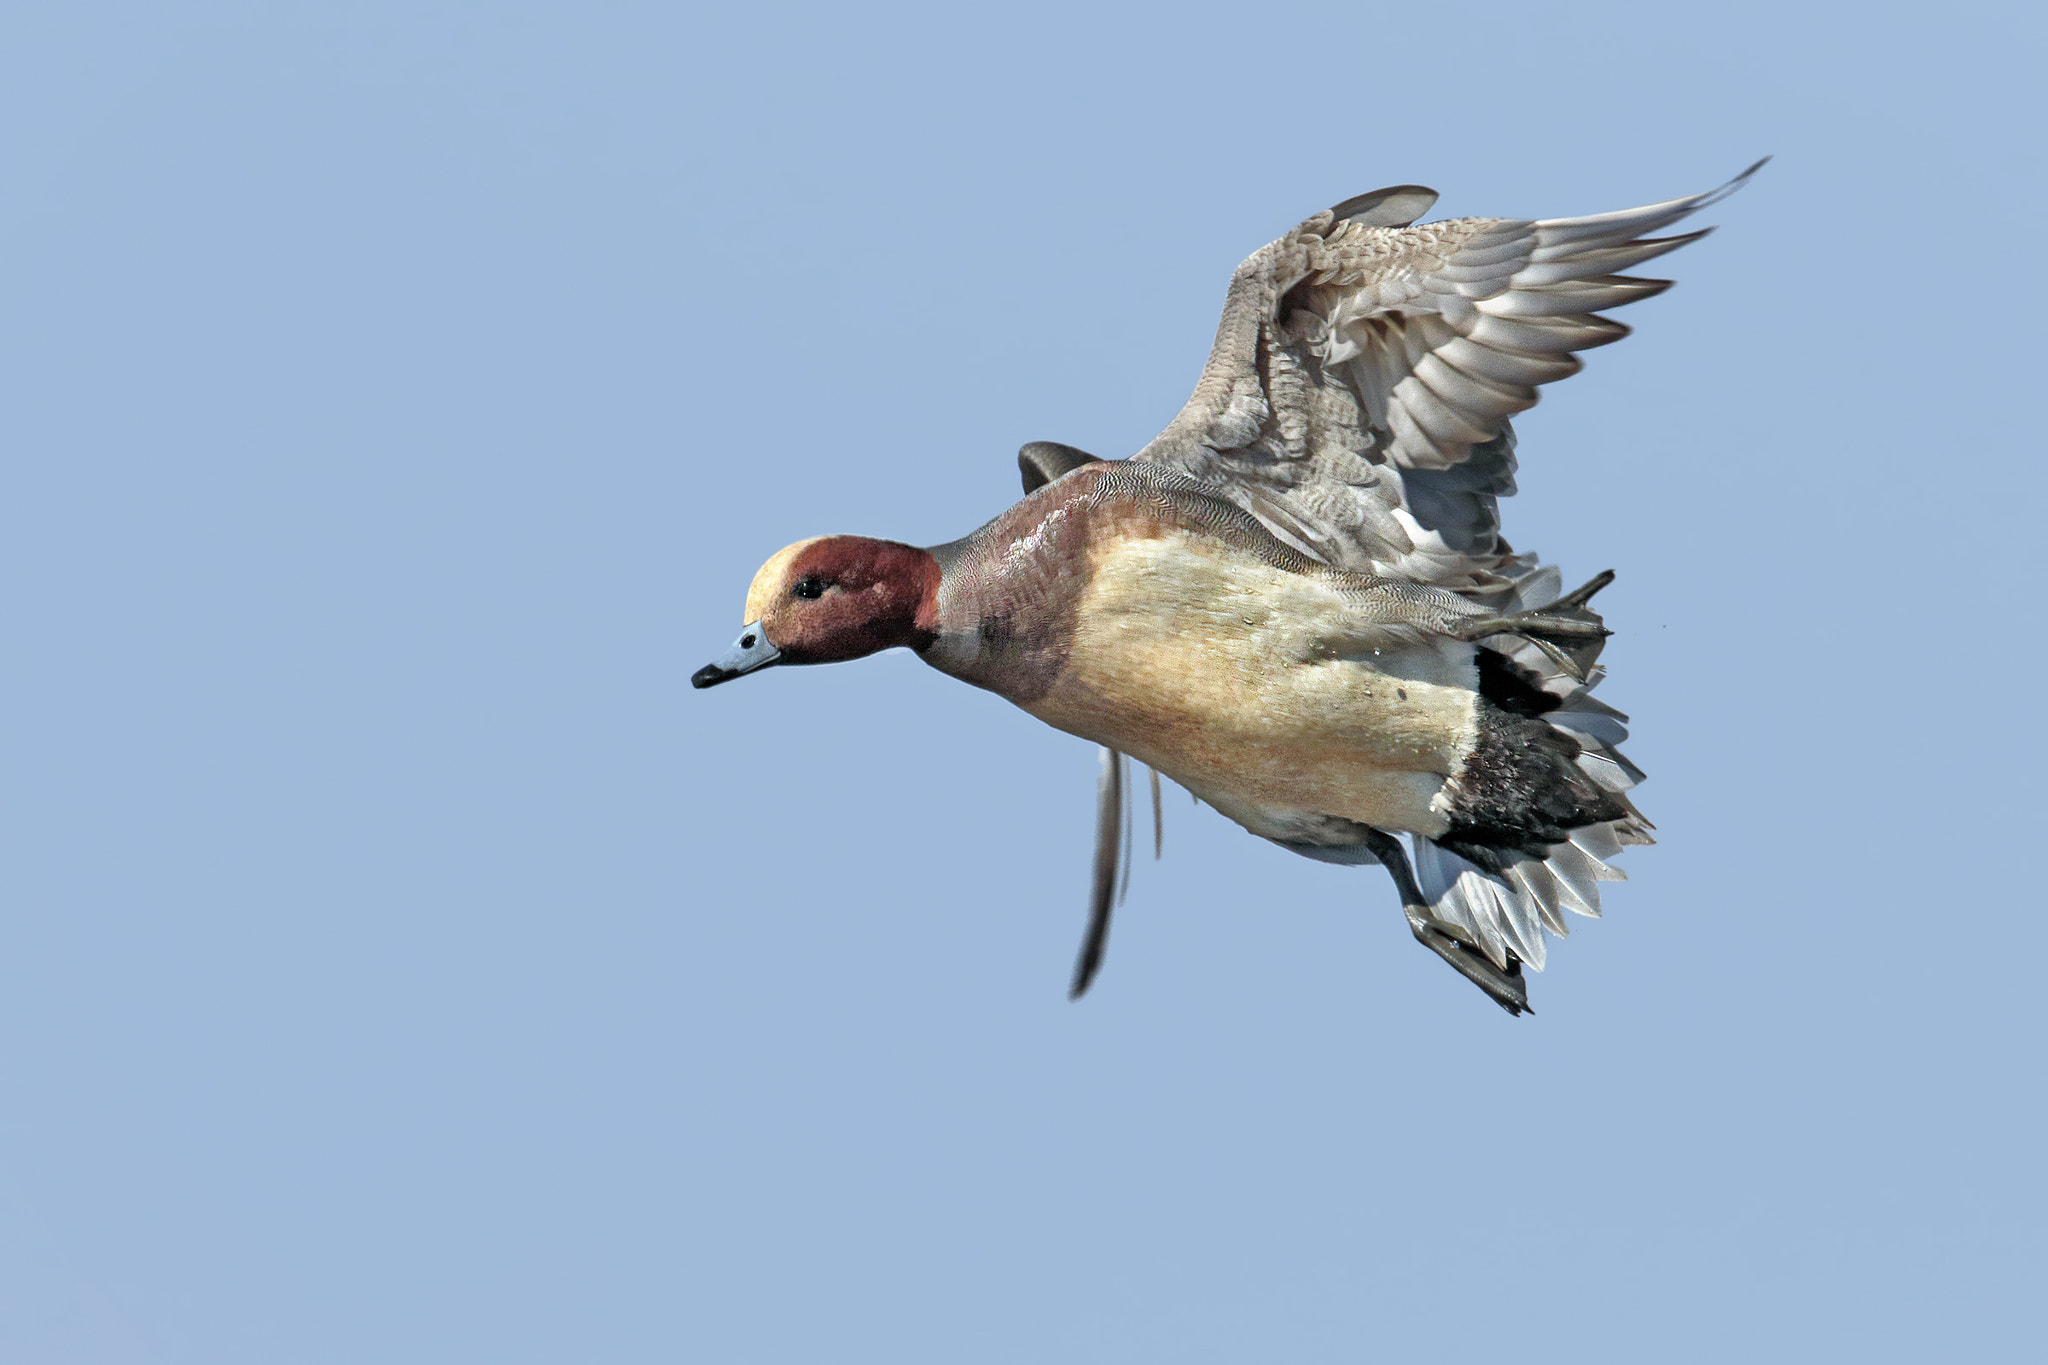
(1296, 602)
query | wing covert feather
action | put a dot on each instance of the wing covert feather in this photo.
(1358, 396)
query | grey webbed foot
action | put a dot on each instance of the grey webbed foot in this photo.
(1548, 627)
(1503, 985)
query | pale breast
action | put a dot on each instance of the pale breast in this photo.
(1270, 694)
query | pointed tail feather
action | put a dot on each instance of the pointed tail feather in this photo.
(1506, 899)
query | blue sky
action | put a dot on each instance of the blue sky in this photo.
(403, 964)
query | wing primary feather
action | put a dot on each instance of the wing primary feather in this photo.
(1127, 840)
(1545, 336)
(1158, 818)
(1623, 224)
(1109, 805)
(1600, 260)
(1573, 296)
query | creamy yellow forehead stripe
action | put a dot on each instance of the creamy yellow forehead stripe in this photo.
(768, 584)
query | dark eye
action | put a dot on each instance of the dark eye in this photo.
(810, 587)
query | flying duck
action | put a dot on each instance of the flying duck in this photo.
(1296, 601)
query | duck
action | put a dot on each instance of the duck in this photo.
(1296, 602)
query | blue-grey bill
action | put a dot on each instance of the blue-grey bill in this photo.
(749, 652)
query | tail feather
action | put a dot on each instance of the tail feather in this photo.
(1536, 882)
(1598, 841)
(1505, 899)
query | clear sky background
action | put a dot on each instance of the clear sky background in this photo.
(400, 963)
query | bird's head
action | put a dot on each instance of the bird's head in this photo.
(832, 598)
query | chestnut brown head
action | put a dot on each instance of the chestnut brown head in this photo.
(832, 598)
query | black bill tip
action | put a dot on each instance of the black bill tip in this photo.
(752, 651)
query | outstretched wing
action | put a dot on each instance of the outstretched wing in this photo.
(1358, 395)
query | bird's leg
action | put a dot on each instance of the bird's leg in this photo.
(1447, 941)
(1545, 627)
